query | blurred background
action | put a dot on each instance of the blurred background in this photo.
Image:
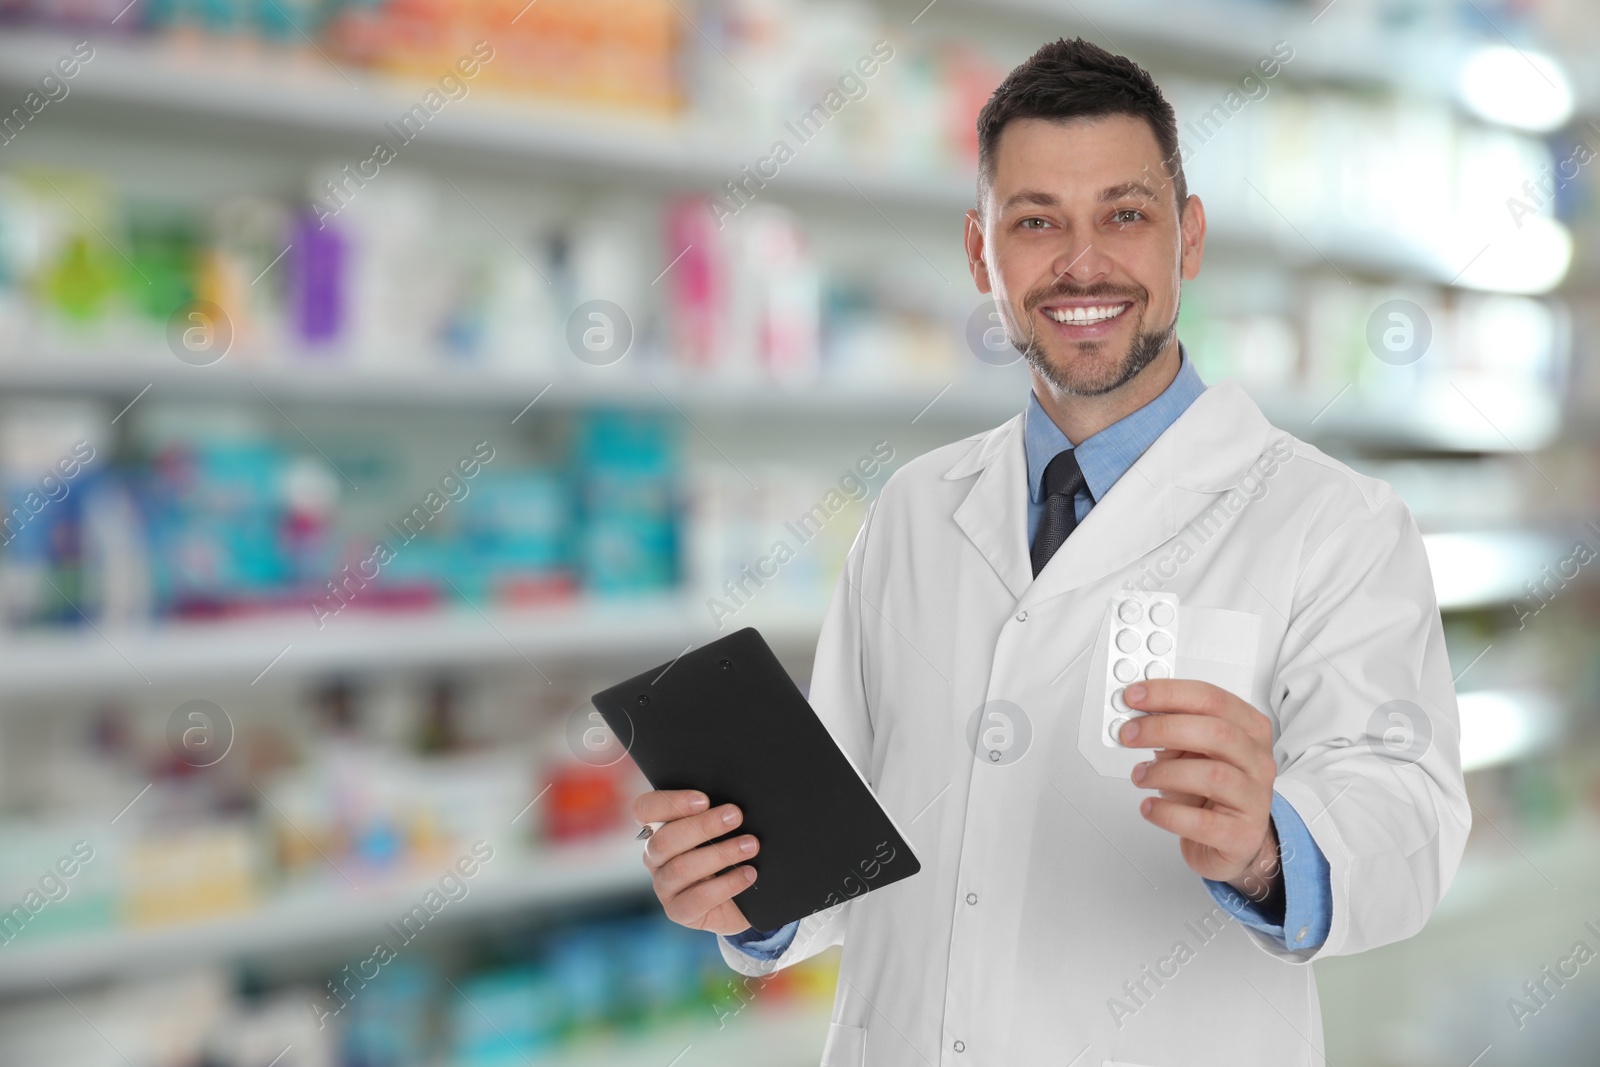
(380, 378)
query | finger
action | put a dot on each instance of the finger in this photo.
(1228, 834)
(1221, 783)
(1198, 698)
(685, 869)
(680, 835)
(1205, 734)
(1161, 755)
(690, 907)
(664, 805)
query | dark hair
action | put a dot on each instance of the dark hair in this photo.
(1075, 79)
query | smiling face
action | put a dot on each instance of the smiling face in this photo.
(1082, 245)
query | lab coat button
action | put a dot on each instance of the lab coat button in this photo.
(1022, 616)
(1301, 936)
(972, 898)
(960, 1046)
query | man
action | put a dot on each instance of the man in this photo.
(1083, 901)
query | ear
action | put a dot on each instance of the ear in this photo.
(1192, 234)
(972, 239)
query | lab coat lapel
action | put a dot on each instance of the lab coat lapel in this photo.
(994, 513)
(1205, 451)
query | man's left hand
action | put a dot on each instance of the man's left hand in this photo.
(1214, 770)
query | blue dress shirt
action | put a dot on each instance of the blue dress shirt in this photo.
(1103, 458)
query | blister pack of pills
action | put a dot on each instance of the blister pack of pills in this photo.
(1142, 643)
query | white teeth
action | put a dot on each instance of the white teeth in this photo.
(1085, 315)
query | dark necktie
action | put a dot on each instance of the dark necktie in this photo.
(1062, 480)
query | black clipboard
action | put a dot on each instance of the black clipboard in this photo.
(727, 719)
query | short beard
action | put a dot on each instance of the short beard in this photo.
(1142, 351)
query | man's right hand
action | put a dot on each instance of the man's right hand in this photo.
(681, 863)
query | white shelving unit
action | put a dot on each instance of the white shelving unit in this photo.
(320, 916)
(251, 89)
(1441, 417)
(248, 652)
(287, 377)
(771, 1036)
(244, 653)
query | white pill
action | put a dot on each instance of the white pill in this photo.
(1127, 641)
(1130, 611)
(1159, 643)
(1161, 613)
(1126, 670)
(1157, 669)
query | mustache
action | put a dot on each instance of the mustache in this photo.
(1078, 292)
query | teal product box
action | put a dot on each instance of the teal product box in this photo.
(626, 467)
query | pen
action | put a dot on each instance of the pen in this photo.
(648, 829)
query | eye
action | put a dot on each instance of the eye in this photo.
(1117, 216)
(1025, 223)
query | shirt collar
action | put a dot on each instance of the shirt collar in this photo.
(1107, 455)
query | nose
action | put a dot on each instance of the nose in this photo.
(1081, 262)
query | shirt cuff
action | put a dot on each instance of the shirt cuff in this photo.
(764, 944)
(1307, 890)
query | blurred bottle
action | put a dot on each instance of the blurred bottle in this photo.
(317, 297)
(626, 466)
(696, 286)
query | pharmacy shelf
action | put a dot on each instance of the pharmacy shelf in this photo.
(260, 89)
(1333, 43)
(1232, 35)
(785, 1035)
(1452, 413)
(1471, 570)
(1477, 569)
(1444, 416)
(275, 89)
(984, 393)
(322, 917)
(236, 654)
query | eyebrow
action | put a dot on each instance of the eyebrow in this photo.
(1039, 198)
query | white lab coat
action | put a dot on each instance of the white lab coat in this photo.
(1044, 898)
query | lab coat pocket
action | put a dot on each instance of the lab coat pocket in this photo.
(846, 1046)
(1216, 645)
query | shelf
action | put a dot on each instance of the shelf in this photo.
(244, 90)
(271, 89)
(988, 394)
(241, 653)
(1332, 43)
(1471, 570)
(311, 918)
(1496, 417)
(787, 1036)
(1441, 417)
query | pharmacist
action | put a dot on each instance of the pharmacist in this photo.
(1151, 899)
